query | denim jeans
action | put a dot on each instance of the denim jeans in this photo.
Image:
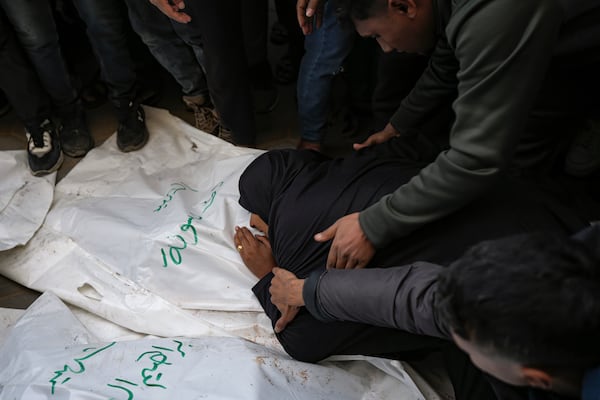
(33, 24)
(105, 22)
(177, 47)
(19, 82)
(326, 48)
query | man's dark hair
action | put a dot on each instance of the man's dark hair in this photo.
(348, 10)
(532, 298)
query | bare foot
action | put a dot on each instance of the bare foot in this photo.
(255, 251)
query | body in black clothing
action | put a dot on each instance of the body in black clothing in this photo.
(299, 193)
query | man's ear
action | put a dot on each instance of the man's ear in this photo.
(537, 378)
(406, 7)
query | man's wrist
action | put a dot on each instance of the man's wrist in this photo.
(296, 288)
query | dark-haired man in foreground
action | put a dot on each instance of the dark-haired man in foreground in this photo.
(520, 76)
(526, 309)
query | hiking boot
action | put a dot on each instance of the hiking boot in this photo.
(75, 136)
(224, 133)
(132, 133)
(43, 149)
(206, 117)
(584, 155)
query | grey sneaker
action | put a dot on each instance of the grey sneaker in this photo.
(584, 155)
(43, 149)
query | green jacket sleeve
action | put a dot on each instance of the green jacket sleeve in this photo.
(503, 49)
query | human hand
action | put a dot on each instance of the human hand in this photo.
(255, 251)
(172, 9)
(257, 223)
(350, 247)
(309, 13)
(286, 295)
(380, 137)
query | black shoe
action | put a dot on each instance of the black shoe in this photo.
(75, 136)
(132, 133)
(43, 149)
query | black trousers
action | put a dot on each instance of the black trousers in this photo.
(19, 81)
(220, 25)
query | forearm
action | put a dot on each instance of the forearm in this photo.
(441, 188)
(401, 297)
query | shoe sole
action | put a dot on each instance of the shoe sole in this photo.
(127, 149)
(55, 167)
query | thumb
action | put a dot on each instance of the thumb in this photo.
(327, 234)
(264, 240)
(366, 143)
(281, 323)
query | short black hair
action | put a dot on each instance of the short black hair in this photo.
(532, 298)
(348, 10)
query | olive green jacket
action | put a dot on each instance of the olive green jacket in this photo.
(491, 55)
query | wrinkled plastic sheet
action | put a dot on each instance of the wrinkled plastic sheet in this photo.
(144, 240)
(49, 354)
(24, 199)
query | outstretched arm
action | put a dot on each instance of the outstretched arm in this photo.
(400, 297)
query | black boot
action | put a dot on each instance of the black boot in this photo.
(132, 133)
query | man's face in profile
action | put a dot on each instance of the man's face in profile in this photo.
(404, 26)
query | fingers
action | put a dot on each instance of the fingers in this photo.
(327, 234)
(312, 7)
(172, 11)
(309, 14)
(286, 317)
(264, 240)
(370, 141)
(280, 324)
(303, 21)
(243, 238)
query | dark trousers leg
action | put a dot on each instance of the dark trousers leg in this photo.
(286, 13)
(35, 29)
(172, 52)
(226, 64)
(19, 82)
(105, 21)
